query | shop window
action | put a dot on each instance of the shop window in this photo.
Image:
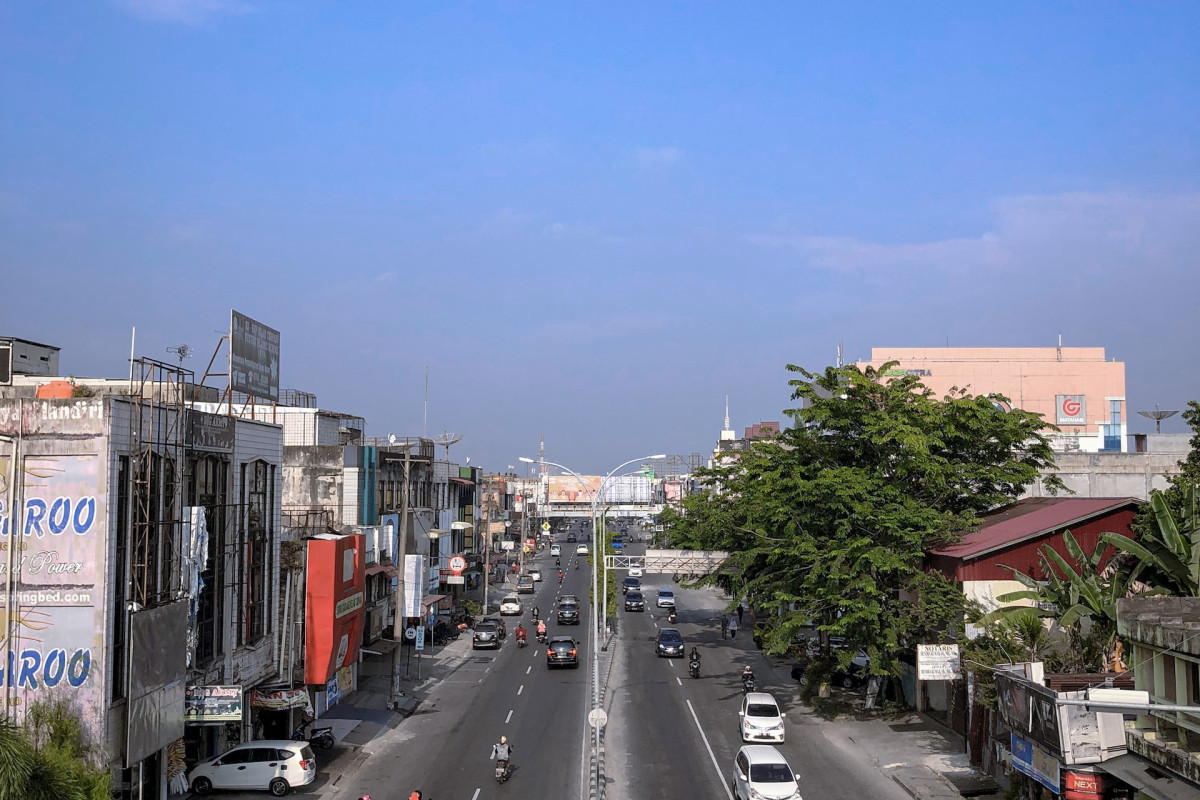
(258, 488)
(119, 637)
(209, 489)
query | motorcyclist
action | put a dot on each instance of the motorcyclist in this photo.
(558, 562)
(747, 676)
(560, 576)
(519, 632)
(694, 655)
(502, 752)
(541, 628)
(536, 612)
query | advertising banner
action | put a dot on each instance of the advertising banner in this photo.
(204, 704)
(283, 700)
(1030, 710)
(569, 489)
(1070, 409)
(55, 566)
(334, 614)
(414, 577)
(253, 358)
(1033, 761)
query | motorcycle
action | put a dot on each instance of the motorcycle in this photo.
(541, 637)
(321, 736)
(521, 640)
(502, 770)
(749, 684)
(694, 668)
(672, 617)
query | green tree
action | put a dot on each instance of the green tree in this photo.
(47, 757)
(1169, 549)
(830, 520)
(1189, 476)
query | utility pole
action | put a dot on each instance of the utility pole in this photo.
(486, 524)
(401, 553)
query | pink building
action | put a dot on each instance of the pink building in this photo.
(1074, 388)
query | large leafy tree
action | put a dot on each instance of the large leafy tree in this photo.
(1174, 497)
(830, 520)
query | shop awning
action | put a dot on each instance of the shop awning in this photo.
(1147, 777)
(380, 569)
(281, 700)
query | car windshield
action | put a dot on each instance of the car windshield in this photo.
(634, 595)
(670, 637)
(665, 593)
(487, 625)
(568, 607)
(561, 644)
(762, 710)
(771, 773)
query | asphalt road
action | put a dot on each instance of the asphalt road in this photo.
(445, 748)
(670, 735)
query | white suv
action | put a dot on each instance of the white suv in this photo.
(761, 720)
(273, 765)
(510, 606)
(760, 772)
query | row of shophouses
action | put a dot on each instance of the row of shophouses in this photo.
(190, 573)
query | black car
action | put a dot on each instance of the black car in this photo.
(630, 583)
(669, 644)
(851, 676)
(634, 601)
(561, 651)
(572, 537)
(488, 633)
(568, 614)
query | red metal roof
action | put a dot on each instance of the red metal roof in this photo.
(1031, 518)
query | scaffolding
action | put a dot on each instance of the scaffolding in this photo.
(157, 438)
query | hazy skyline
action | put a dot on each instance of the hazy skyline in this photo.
(597, 222)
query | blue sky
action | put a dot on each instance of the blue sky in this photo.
(594, 222)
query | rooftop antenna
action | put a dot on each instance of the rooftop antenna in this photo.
(1157, 416)
(726, 412)
(425, 425)
(446, 439)
(841, 362)
(182, 351)
(1060, 347)
(542, 454)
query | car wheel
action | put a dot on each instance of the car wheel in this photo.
(278, 787)
(202, 786)
(848, 681)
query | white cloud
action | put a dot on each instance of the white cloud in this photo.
(1083, 232)
(651, 158)
(187, 12)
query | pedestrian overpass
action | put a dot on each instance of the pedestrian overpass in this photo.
(584, 510)
(676, 562)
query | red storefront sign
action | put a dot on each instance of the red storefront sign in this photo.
(1082, 785)
(333, 612)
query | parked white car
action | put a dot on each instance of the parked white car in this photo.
(272, 765)
(760, 718)
(760, 772)
(510, 606)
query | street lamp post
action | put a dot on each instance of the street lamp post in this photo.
(401, 550)
(594, 497)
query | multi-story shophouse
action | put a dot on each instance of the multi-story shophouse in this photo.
(140, 575)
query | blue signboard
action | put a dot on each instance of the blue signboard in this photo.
(1029, 759)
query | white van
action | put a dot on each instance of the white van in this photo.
(555, 550)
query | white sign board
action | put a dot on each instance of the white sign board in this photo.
(420, 643)
(456, 579)
(414, 576)
(938, 662)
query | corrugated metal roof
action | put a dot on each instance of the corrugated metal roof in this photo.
(1030, 518)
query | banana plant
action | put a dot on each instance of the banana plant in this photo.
(1172, 555)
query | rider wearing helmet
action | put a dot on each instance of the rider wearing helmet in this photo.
(502, 750)
(541, 628)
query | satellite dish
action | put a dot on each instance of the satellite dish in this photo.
(1158, 416)
(391, 438)
(446, 439)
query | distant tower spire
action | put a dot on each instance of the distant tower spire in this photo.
(727, 434)
(726, 412)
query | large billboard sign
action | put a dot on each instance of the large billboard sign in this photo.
(56, 552)
(334, 614)
(569, 489)
(253, 358)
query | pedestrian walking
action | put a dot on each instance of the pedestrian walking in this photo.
(733, 625)
(740, 611)
(724, 626)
